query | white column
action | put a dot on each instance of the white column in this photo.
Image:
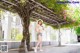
(48, 33)
(56, 31)
(73, 37)
(32, 31)
(7, 25)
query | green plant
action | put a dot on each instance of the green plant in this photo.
(78, 31)
(19, 37)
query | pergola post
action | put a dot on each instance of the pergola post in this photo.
(59, 37)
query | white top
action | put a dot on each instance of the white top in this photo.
(39, 28)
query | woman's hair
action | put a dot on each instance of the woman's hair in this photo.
(40, 21)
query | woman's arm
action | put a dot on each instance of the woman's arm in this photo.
(42, 27)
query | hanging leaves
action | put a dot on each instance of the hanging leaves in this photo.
(23, 2)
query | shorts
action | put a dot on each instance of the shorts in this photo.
(39, 34)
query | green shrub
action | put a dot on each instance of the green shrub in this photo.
(78, 31)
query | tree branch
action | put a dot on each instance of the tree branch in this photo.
(9, 2)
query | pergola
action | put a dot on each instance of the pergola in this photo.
(40, 12)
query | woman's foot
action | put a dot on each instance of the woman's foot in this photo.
(35, 50)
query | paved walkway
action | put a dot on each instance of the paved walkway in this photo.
(55, 49)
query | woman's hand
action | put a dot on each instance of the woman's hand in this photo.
(42, 27)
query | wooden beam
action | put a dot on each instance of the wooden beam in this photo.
(42, 6)
(47, 18)
(6, 8)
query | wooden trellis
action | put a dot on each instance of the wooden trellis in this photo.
(39, 8)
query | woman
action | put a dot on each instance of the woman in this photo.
(39, 30)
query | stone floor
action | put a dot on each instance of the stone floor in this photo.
(54, 49)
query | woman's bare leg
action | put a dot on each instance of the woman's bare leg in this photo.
(38, 43)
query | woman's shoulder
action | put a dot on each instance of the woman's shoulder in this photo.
(37, 25)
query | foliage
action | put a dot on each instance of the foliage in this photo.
(53, 5)
(23, 2)
(19, 37)
(1, 12)
(16, 35)
(14, 32)
(78, 31)
(72, 11)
